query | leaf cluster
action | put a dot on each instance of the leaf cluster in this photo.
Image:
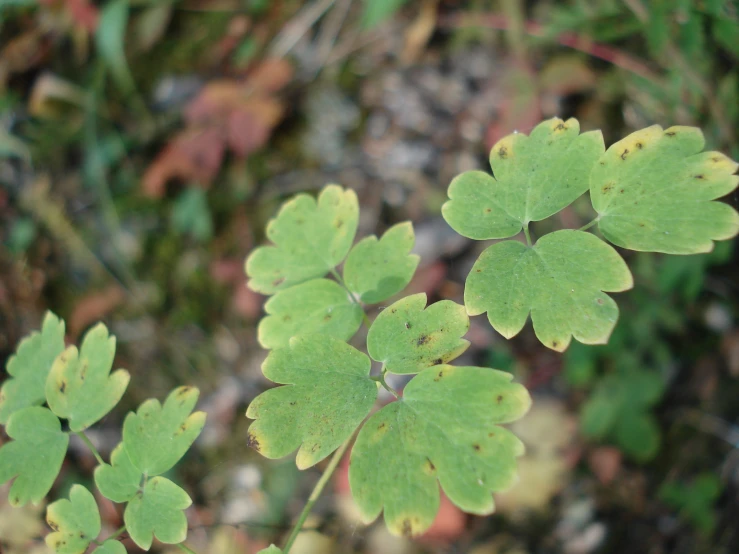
(652, 191)
(694, 501)
(448, 416)
(79, 389)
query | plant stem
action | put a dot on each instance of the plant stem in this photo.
(185, 548)
(528, 235)
(589, 225)
(381, 379)
(88, 442)
(117, 534)
(335, 459)
(366, 319)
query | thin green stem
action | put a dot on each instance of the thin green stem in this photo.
(527, 233)
(328, 472)
(88, 442)
(117, 534)
(589, 225)
(186, 548)
(365, 318)
(381, 379)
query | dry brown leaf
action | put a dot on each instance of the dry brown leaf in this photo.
(94, 307)
(193, 155)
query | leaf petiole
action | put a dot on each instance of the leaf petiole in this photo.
(589, 225)
(330, 468)
(381, 379)
(88, 442)
(528, 235)
(338, 278)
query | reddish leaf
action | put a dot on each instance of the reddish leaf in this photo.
(194, 155)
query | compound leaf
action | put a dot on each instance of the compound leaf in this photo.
(377, 269)
(535, 177)
(29, 367)
(561, 281)
(407, 338)
(318, 306)
(157, 436)
(157, 510)
(328, 396)
(80, 387)
(120, 480)
(444, 428)
(35, 457)
(311, 238)
(110, 546)
(654, 192)
(76, 522)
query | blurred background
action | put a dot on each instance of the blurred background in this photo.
(144, 144)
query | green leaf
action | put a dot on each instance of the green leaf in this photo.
(271, 549)
(599, 414)
(407, 338)
(377, 11)
(157, 436)
(653, 192)
(559, 280)
(535, 177)
(376, 270)
(111, 546)
(29, 367)
(80, 387)
(110, 38)
(330, 393)
(76, 522)
(157, 510)
(35, 457)
(695, 501)
(311, 238)
(444, 428)
(638, 435)
(190, 213)
(120, 480)
(318, 306)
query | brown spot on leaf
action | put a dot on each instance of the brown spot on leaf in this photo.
(407, 528)
(639, 145)
(670, 133)
(423, 339)
(624, 153)
(339, 224)
(488, 210)
(287, 318)
(607, 188)
(477, 447)
(62, 386)
(600, 301)
(407, 325)
(381, 426)
(252, 441)
(491, 434)
(439, 376)
(561, 127)
(554, 344)
(278, 282)
(327, 317)
(438, 361)
(700, 176)
(499, 398)
(502, 152)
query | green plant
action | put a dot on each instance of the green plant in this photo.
(652, 191)
(78, 387)
(694, 501)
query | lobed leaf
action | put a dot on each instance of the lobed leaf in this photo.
(654, 192)
(561, 281)
(29, 367)
(110, 546)
(76, 522)
(157, 510)
(408, 338)
(157, 436)
(310, 239)
(317, 306)
(35, 455)
(375, 269)
(619, 408)
(118, 481)
(535, 177)
(328, 396)
(80, 387)
(445, 429)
